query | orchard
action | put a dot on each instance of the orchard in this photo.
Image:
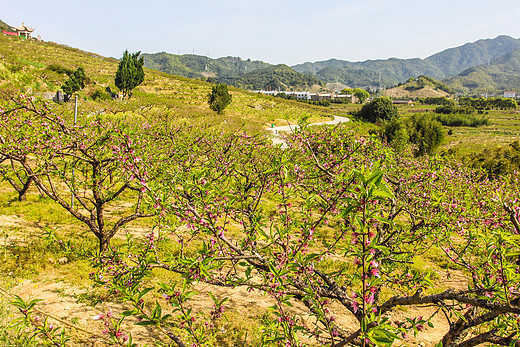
(335, 226)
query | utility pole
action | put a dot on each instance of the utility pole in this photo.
(73, 168)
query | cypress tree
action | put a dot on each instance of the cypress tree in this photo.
(219, 98)
(129, 73)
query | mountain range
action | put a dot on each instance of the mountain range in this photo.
(487, 65)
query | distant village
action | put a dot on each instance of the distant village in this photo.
(307, 96)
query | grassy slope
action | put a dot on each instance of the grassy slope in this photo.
(23, 66)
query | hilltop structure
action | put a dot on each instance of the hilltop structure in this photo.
(22, 31)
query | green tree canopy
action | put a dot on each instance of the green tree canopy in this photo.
(219, 98)
(361, 94)
(75, 83)
(378, 109)
(129, 73)
(423, 131)
(426, 133)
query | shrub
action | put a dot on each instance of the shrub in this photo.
(459, 120)
(100, 94)
(453, 109)
(396, 133)
(379, 109)
(426, 133)
(219, 98)
(75, 83)
(60, 69)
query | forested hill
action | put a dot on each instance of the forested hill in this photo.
(251, 74)
(278, 77)
(419, 87)
(392, 71)
(502, 73)
(247, 74)
(196, 66)
(455, 60)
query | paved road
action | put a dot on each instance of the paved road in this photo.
(289, 128)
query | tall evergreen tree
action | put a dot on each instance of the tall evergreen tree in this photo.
(129, 73)
(219, 98)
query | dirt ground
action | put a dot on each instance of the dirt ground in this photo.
(62, 299)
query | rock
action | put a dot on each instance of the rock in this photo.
(63, 260)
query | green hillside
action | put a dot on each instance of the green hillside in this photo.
(234, 71)
(5, 26)
(279, 77)
(392, 71)
(37, 68)
(455, 60)
(250, 74)
(196, 66)
(501, 74)
(421, 86)
(371, 72)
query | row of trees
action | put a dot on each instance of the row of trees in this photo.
(129, 75)
(489, 103)
(335, 221)
(423, 131)
(359, 93)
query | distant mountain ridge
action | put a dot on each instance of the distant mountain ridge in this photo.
(442, 65)
(502, 73)
(247, 74)
(196, 66)
(445, 65)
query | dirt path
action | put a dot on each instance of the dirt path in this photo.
(291, 128)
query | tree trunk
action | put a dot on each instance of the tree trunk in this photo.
(104, 243)
(22, 193)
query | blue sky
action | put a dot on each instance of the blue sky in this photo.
(282, 31)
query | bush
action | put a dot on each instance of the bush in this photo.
(100, 94)
(60, 69)
(379, 109)
(498, 162)
(426, 133)
(75, 83)
(453, 109)
(442, 100)
(423, 131)
(396, 133)
(219, 98)
(459, 120)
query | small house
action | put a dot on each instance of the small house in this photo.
(403, 102)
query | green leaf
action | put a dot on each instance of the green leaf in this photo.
(145, 322)
(143, 292)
